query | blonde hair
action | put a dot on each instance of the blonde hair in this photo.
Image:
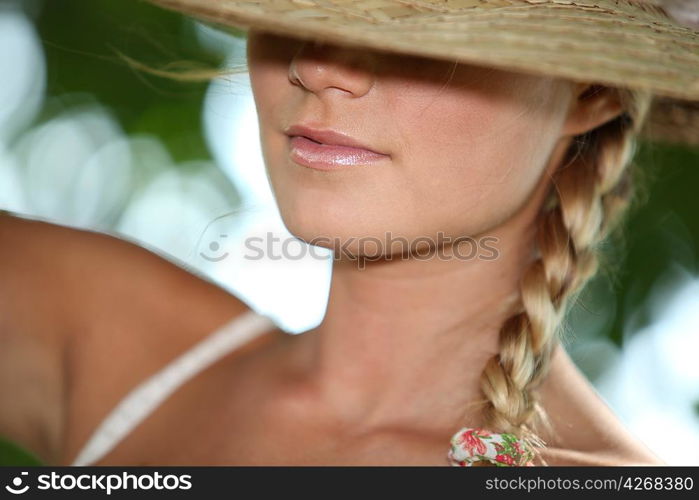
(591, 192)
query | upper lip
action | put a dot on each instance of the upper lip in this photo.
(327, 136)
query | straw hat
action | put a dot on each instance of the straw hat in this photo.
(639, 44)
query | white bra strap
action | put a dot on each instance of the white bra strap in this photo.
(145, 397)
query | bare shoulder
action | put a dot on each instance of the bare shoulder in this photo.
(584, 430)
(104, 312)
(78, 272)
(31, 339)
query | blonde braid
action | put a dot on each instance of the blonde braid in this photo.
(591, 193)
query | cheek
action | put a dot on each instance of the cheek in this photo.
(273, 97)
(473, 160)
(267, 85)
(268, 68)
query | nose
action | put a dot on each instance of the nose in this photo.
(322, 68)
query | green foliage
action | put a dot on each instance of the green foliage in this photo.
(12, 454)
(660, 233)
(82, 39)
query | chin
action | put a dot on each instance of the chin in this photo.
(339, 231)
(325, 231)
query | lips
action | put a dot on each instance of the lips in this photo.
(328, 149)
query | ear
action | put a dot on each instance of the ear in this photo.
(593, 105)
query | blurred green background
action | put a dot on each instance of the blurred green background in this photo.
(77, 40)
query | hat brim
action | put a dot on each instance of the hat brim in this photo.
(613, 42)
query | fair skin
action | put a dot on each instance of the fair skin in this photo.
(393, 369)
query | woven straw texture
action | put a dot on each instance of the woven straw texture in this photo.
(623, 43)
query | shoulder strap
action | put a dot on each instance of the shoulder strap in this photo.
(145, 397)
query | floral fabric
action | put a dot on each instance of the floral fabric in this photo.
(476, 446)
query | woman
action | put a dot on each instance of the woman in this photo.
(465, 204)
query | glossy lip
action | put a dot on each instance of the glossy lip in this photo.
(328, 149)
(329, 137)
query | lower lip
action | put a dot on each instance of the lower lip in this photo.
(329, 156)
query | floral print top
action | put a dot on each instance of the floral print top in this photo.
(477, 447)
